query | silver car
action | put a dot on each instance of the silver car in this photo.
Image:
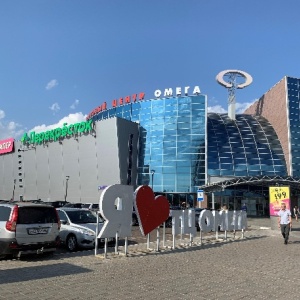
(78, 228)
(28, 228)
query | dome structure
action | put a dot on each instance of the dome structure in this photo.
(246, 146)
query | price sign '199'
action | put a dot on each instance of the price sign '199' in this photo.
(280, 194)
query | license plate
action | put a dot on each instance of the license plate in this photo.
(108, 239)
(34, 231)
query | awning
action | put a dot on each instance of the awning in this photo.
(266, 181)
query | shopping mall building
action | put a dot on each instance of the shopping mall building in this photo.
(169, 142)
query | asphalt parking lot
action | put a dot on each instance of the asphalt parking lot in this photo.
(258, 266)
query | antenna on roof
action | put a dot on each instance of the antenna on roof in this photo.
(231, 84)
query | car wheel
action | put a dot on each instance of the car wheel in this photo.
(134, 221)
(71, 242)
(49, 254)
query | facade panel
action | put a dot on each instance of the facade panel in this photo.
(56, 170)
(75, 166)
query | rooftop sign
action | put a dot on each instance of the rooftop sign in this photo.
(57, 133)
(116, 102)
(6, 145)
(168, 92)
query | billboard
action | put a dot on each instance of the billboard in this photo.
(278, 195)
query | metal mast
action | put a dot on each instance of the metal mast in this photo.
(231, 84)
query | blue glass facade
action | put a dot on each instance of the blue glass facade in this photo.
(247, 146)
(171, 142)
(293, 94)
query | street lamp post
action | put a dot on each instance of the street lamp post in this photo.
(152, 178)
(66, 193)
(13, 193)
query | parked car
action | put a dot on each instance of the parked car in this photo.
(169, 220)
(73, 205)
(78, 228)
(28, 228)
(197, 215)
(57, 204)
(134, 220)
(91, 206)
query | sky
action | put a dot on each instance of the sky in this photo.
(60, 59)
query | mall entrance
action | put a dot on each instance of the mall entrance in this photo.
(251, 191)
(256, 200)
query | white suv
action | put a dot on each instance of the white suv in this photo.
(27, 228)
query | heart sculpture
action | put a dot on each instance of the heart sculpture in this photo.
(151, 211)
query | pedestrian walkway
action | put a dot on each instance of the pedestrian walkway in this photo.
(258, 266)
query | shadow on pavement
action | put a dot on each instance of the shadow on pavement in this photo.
(39, 272)
(195, 247)
(162, 251)
(295, 229)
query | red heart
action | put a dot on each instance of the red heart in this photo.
(151, 212)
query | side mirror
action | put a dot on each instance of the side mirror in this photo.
(64, 222)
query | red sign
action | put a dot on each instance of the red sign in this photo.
(6, 146)
(115, 103)
(152, 211)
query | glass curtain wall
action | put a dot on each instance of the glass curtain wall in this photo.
(247, 146)
(293, 87)
(171, 142)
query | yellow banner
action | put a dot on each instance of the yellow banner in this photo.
(278, 195)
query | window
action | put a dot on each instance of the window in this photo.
(4, 213)
(37, 215)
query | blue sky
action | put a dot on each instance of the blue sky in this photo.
(62, 58)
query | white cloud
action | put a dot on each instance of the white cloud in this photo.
(54, 107)
(10, 130)
(15, 130)
(51, 84)
(75, 104)
(216, 109)
(241, 107)
(2, 114)
(70, 119)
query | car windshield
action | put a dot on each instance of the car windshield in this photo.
(81, 216)
(86, 205)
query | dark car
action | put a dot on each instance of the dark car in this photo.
(197, 215)
(169, 220)
(91, 206)
(74, 205)
(135, 221)
(57, 204)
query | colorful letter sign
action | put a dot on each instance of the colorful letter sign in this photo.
(151, 211)
(117, 201)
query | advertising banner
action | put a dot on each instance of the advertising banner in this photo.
(278, 195)
(6, 146)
